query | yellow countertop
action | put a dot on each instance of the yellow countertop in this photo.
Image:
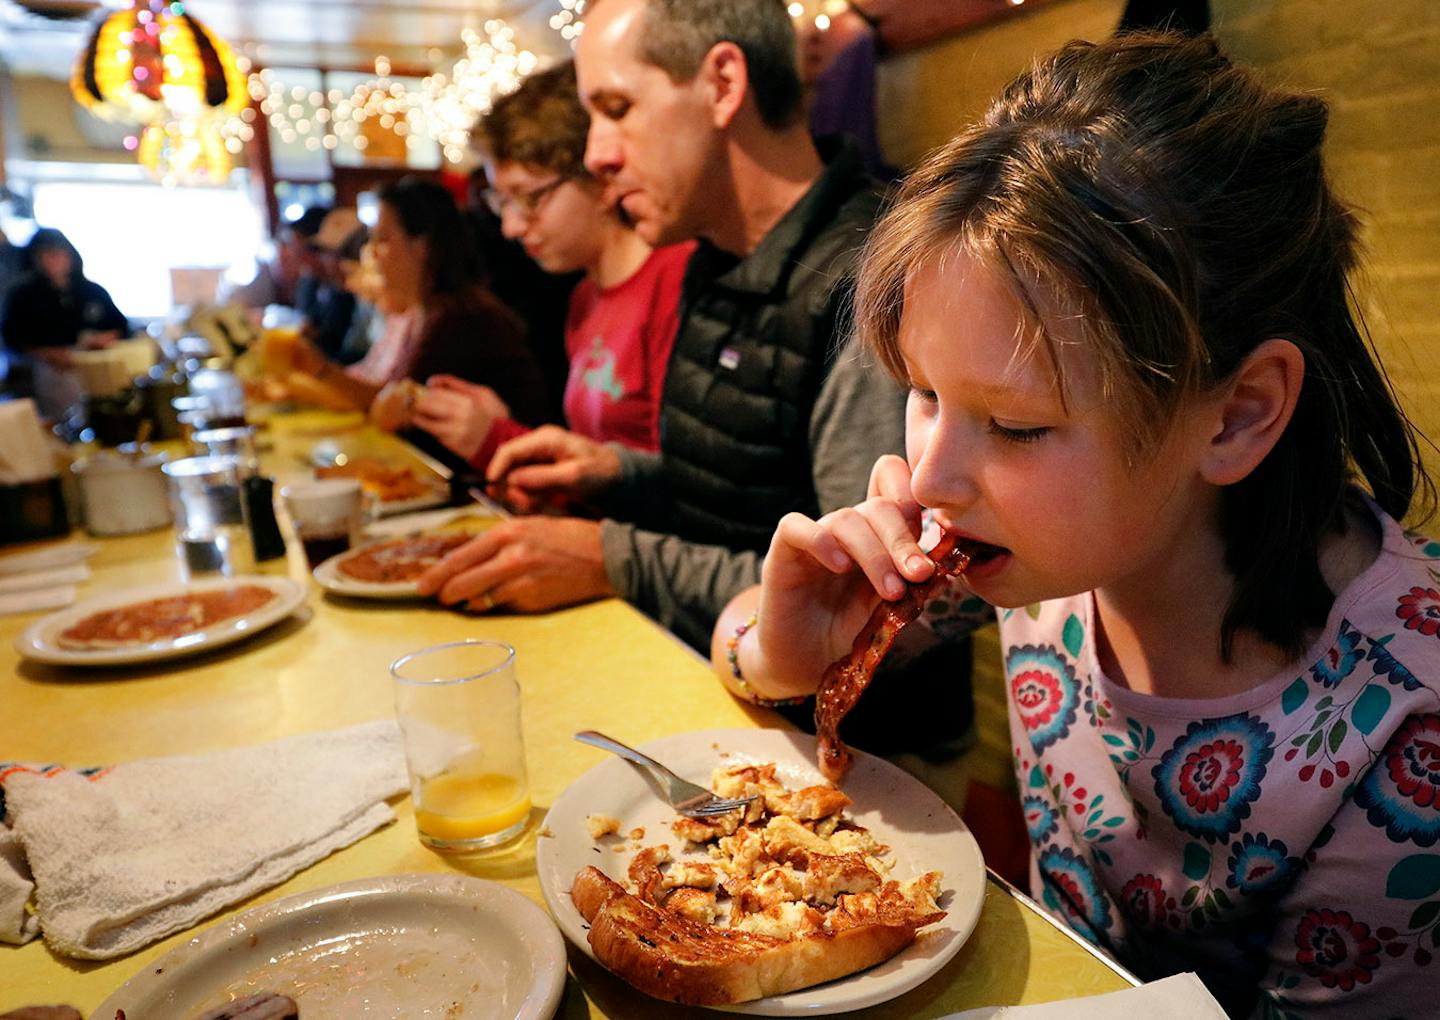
(599, 666)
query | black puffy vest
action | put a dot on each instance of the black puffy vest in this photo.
(756, 338)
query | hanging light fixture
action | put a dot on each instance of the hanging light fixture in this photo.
(153, 65)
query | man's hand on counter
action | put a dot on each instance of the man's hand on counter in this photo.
(528, 564)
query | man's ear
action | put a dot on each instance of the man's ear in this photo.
(1253, 410)
(726, 77)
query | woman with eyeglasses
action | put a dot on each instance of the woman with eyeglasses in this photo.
(440, 320)
(624, 312)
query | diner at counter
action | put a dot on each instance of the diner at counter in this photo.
(439, 318)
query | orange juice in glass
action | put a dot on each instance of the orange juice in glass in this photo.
(459, 709)
(277, 350)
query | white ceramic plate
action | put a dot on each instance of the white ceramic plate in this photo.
(434, 520)
(40, 641)
(921, 830)
(399, 946)
(389, 508)
(329, 577)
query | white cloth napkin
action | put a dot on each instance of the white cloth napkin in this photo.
(46, 558)
(76, 573)
(35, 600)
(17, 925)
(1178, 997)
(24, 454)
(130, 854)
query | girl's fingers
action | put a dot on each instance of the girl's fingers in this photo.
(879, 536)
(898, 528)
(890, 480)
(801, 534)
(867, 547)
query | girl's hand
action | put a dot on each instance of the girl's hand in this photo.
(822, 579)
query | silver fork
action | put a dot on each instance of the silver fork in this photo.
(690, 800)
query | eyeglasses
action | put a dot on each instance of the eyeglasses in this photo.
(526, 205)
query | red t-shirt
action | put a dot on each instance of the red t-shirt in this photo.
(619, 340)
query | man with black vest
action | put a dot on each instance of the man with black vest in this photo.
(696, 128)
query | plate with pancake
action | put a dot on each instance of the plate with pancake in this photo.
(387, 569)
(919, 833)
(431, 945)
(161, 621)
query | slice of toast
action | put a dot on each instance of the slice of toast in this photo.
(672, 957)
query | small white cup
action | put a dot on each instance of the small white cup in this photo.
(328, 515)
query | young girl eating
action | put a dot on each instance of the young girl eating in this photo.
(1120, 304)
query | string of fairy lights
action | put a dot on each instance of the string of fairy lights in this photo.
(442, 107)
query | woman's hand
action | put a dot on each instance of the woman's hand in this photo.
(458, 413)
(394, 406)
(305, 357)
(822, 580)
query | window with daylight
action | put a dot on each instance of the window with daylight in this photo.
(131, 235)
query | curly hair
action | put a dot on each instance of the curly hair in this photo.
(542, 123)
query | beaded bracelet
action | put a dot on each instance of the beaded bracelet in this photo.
(732, 656)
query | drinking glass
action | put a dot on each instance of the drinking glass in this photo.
(459, 710)
(225, 396)
(190, 412)
(327, 515)
(212, 530)
(235, 441)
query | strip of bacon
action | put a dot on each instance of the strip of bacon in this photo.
(848, 676)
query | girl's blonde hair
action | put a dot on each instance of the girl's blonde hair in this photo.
(1181, 208)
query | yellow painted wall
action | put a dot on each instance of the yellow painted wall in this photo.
(50, 128)
(1378, 64)
(925, 96)
(1376, 61)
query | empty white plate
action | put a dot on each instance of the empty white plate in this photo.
(391, 948)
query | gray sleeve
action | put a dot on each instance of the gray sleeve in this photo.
(681, 585)
(641, 495)
(858, 416)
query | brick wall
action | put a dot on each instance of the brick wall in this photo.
(1376, 61)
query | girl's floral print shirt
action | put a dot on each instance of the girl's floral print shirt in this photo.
(1286, 839)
